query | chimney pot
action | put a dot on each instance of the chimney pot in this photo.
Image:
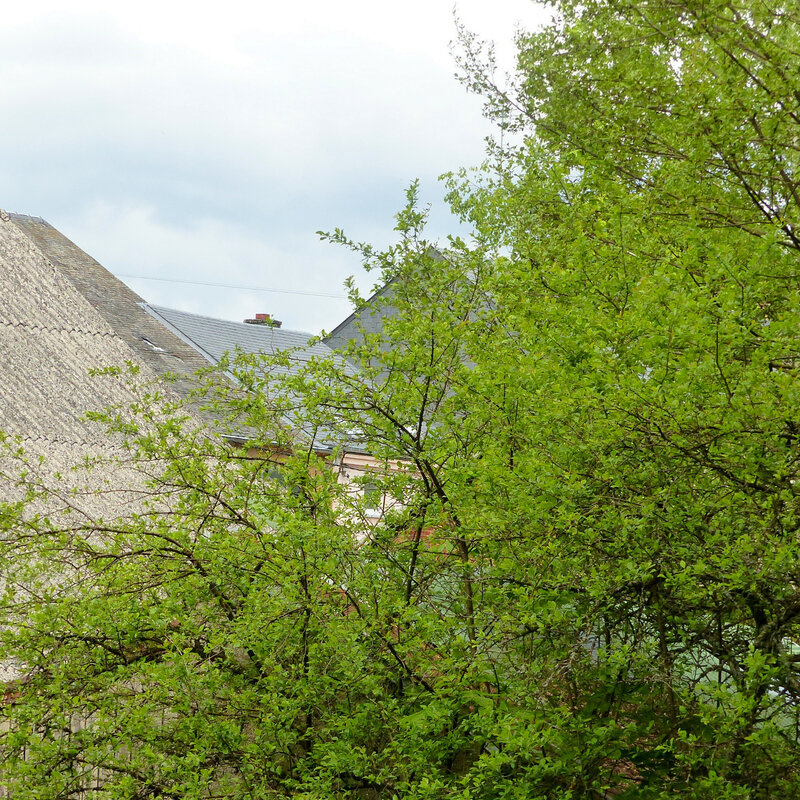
(264, 319)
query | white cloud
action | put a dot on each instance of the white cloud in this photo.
(164, 137)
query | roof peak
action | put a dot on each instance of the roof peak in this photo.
(244, 325)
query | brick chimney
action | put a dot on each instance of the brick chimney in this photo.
(264, 319)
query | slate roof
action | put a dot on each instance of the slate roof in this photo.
(365, 321)
(214, 337)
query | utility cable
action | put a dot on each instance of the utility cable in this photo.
(233, 286)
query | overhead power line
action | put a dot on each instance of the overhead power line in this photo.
(234, 286)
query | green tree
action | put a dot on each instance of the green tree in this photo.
(648, 218)
(589, 414)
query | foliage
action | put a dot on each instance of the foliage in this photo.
(590, 588)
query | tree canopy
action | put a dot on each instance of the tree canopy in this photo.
(589, 583)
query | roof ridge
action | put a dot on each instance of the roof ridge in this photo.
(230, 321)
(15, 215)
(355, 314)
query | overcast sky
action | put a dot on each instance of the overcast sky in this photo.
(210, 145)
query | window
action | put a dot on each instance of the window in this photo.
(373, 499)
